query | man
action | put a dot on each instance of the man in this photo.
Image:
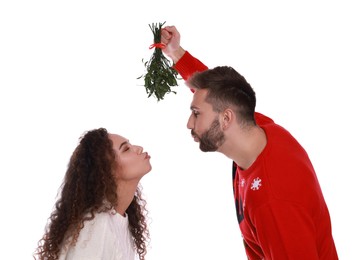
(280, 206)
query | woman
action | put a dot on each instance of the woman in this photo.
(100, 213)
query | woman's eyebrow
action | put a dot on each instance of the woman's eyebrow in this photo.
(124, 143)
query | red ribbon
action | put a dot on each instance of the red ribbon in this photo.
(157, 45)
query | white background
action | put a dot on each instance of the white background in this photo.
(71, 66)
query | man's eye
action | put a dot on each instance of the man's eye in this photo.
(195, 113)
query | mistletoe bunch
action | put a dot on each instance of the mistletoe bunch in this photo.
(160, 76)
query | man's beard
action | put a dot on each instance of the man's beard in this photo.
(212, 138)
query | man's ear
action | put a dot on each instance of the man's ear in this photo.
(228, 118)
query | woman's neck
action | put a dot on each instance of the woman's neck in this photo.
(125, 195)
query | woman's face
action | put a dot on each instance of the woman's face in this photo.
(133, 163)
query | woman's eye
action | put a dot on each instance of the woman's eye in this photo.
(124, 148)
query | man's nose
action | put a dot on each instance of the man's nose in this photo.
(190, 124)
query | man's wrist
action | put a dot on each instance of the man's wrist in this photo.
(176, 55)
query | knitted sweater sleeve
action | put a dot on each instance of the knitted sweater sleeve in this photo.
(188, 65)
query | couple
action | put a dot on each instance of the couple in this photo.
(101, 215)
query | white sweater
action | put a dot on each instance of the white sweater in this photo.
(106, 237)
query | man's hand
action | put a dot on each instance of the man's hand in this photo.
(171, 38)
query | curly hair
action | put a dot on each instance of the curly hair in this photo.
(88, 183)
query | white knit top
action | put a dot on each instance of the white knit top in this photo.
(106, 237)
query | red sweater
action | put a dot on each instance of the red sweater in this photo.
(279, 203)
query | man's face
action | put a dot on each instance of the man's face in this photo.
(204, 123)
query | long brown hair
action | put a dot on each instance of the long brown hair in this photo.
(88, 183)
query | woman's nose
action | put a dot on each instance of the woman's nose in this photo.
(138, 149)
